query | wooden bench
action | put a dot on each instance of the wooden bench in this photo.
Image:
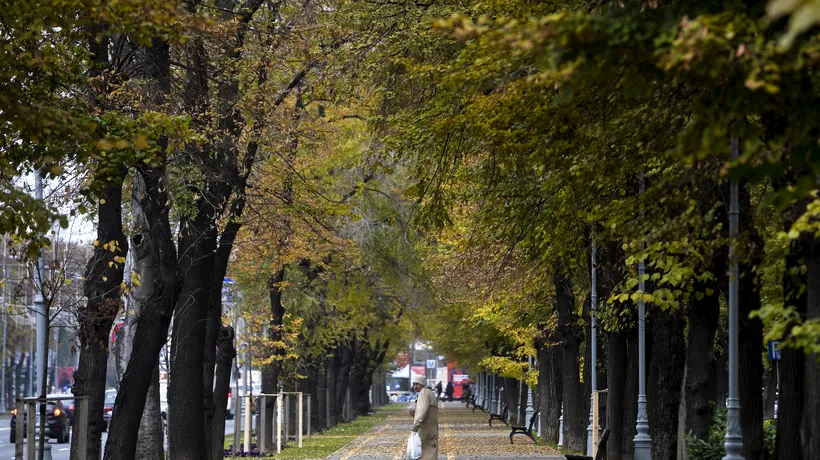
(502, 416)
(479, 407)
(525, 430)
(470, 400)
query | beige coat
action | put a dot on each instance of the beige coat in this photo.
(426, 420)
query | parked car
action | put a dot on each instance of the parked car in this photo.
(57, 423)
(108, 407)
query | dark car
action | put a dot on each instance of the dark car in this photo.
(108, 407)
(57, 423)
(68, 404)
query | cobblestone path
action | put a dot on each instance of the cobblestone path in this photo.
(463, 435)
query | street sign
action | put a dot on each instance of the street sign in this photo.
(774, 350)
(431, 364)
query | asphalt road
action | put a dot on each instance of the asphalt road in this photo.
(60, 451)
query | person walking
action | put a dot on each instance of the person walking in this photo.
(439, 389)
(449, 391)
(425, 418)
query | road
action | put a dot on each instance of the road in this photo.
(58, 451)
(61, 451)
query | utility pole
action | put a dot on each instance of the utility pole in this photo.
(39, 301)
(593, 365)
(734, 437)
(642, 440)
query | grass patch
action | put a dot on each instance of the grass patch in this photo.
(333, 439)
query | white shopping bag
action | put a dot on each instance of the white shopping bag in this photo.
(414, 446)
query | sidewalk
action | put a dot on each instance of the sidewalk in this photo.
(463, 435)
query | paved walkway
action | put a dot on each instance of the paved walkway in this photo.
(463, 435)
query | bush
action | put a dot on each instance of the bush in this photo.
(712, 448)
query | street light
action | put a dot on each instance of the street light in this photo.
(593, 328)
(734, 437)
(642, 440)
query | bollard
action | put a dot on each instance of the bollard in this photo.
(47, 452)
(260, 431)
(300, 416)
(308, 417)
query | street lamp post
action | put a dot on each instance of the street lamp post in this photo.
(593, 329)
(39, 302)
(5, 325)
(529, 411)
(734, 437)
(642, 440)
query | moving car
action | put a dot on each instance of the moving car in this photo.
(68, 404)
(57, 423)
(108, 407)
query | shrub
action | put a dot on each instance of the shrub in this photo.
(712, 447)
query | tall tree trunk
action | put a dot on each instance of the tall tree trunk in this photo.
(222, 385)
(101, 286)
(610, 271)
(150, 441)
(332, 372)
(575, 418)
(630, 394)
(810, 433)
(750, 337)
(703, 315)
(792, 361)
(344, 355)
(720, 371)
(616, 397)
(664, 378)
(154, 248)
(769, 392)
(270, 373)
(186, 394)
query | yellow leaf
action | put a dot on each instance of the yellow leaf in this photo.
(67, 282)
(103, 144)
(141, 142)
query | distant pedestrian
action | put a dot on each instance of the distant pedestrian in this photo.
(439, 389)
(449, 391)
(465, 392)
(425, 418)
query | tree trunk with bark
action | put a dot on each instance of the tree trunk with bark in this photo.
(344, 357)
(769, 392)
(616, 397)
(630, 394)
(750, 336)
(571, 335)
(695, 403)
(720, 371)
(154, 248)
(186, 395)
(101, 285)
(810, 433)
(666, 361)
(792, 361)
(222, 385)
(150, 441)
(332, 371)
(270, 373)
